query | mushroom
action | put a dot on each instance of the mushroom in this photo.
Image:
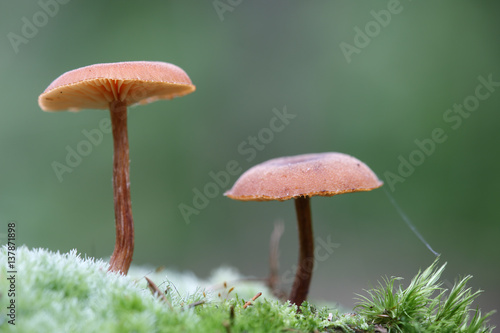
(301, 177)
(115, 86)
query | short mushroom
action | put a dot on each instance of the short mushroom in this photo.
(301, 177)
(115, 86)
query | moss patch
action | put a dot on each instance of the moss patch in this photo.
(62, 292)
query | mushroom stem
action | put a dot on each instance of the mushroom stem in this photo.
(124, 246)
(303, 276)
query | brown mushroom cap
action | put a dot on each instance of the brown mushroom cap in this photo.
(323, 174)
(95, 86)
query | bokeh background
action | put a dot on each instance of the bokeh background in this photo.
(247, 58)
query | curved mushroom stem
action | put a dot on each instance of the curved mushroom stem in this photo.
(124, 246)
(305, 267)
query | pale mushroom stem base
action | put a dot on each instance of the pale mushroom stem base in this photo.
(303, 276)
(124, 246)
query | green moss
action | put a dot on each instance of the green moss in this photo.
(424, 306)
(64, 293)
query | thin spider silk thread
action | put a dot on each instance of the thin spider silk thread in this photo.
(409, 224)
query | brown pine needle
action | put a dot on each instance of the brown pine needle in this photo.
(192, 305)
(250, 301)
(157, 292)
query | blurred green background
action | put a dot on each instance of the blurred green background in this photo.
(247, 58)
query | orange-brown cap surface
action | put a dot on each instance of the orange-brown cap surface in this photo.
(323, 174)
(95, 86)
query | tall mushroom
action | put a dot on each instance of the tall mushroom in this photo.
(301, 177)
(115, 86)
